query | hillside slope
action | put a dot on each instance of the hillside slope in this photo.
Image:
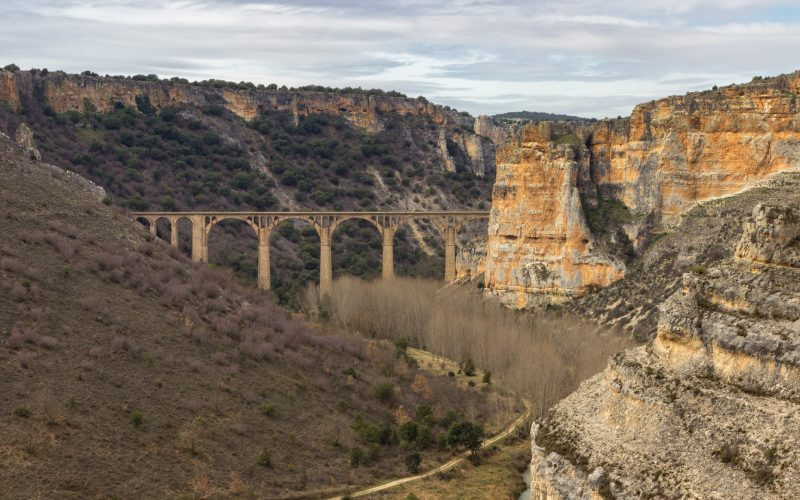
(126, 370)
(170, 145)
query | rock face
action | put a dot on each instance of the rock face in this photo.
(65, 93)
(540, 246)
(24, 137)
(711, 407)
(666, 157)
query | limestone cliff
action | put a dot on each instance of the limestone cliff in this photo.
(634, 177)
(709, 408)
(539, 243)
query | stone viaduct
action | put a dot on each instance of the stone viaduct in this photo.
(325, 224)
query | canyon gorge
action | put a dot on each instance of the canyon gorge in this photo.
(678, 226)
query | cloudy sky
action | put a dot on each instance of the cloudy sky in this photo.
(586, 57)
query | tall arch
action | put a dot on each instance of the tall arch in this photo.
(356, 246)
(239, 239)
(303, 232)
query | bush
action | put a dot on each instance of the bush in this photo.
(408, 431)
(22, 411)
(267, 409)
(465, 434)
(357, 457)
(136, 418)
(264, 459)
(468, 367)
(384, 392)
(412, 461)
(487, 377)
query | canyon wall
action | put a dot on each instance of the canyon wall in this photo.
(461, 134)
(709, 408)
(632, 177)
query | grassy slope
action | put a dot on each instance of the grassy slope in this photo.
(100, 329)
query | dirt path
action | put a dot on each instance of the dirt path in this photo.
(452, 462)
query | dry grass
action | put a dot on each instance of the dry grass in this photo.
(543, 356)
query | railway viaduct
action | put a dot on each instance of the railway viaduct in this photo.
(325, 223)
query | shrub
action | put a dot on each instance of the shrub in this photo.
(408, 431)
(136, 418)
(487, 377)
(424, 437)
(357, 457)
(468, 367)
(465, 434)
(264, 460)
(267, 409)
(22, 411)
(412, 461)
(384, 392)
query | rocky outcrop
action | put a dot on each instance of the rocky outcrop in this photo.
(370, 112)
(648, 169)
(24, 137)
(540, 247)
(485, 126)
(770, 237)
(711, 407)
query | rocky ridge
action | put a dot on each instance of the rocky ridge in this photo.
(711, 407)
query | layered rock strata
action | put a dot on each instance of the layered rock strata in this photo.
(639, 174)
(461, 134)
(711, 407)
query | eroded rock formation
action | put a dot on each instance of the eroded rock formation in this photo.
(710, 408)
(366, 111)
(633, 177)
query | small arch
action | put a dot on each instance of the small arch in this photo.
(183, 225)
(163, 228)
(145, 221)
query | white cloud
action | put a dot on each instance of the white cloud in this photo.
(572, 56)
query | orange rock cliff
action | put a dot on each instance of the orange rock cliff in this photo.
(571, 200)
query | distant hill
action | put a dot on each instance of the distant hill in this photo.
(538, 116)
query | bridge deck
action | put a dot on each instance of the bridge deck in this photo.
(478, 213)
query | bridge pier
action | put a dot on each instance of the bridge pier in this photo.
(449, 254)
(263, 258)
(199, 252)
(173, 233)
(388, 252)
(325, 262)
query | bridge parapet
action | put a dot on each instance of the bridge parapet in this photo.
(325, 223)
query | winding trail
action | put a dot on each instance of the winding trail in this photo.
(453, 461)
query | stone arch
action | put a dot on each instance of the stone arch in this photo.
(412, 232)
(275, 233)
(164, 227)
(346, 250)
